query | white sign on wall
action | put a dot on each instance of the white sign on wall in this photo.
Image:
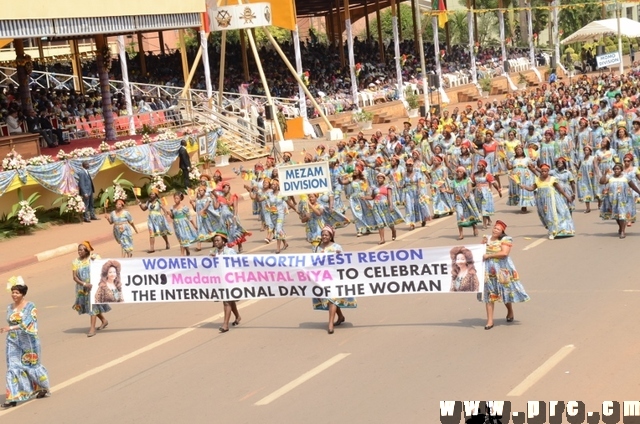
(244, 16)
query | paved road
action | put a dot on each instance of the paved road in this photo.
(393, 361)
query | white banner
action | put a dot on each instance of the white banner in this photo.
(608, 59)
(242, 16)
(304, 178)
(237, 277)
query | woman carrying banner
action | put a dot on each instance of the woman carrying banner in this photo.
(26, 376)
(157, 222)
(122, 222)
(81, 276)
(182, 226)
(501, 280)
(220, 247)
(333, 305)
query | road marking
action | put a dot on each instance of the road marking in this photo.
(409, 233)
(298, 381)
(534, 244)
(136, 353)
(543, 369)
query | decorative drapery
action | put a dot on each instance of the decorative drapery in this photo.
(60, 177)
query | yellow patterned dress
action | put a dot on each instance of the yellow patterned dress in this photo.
(322, 304)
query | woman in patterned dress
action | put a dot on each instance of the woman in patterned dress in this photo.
(501, 279)
(605, 159)
(630, 171)
(277, 207)
(587, 182)
(81, 276)
(26, 376)
(553, 211)
(467, 214)
(482, 183)
(227, 205)
(220, 241)
(616, 203)
(361, 208)
(185, 232)
(207, 219)
(566, 180)
(157, 222)
(333, 305)
(416, 196)
(122, 222)
(385, 211)
(521, 168)
(440, 185)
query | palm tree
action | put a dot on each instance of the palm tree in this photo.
(103, 61)
(459, 28)
(572, 19)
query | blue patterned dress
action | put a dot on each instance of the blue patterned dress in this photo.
(335, 218)
(607, 160)
(25, 373)
(553, 210)
(83, 304)
(416, 198)
(441, 201)
(549, 153)
(564, 180)
(157, 222)
(587, 182)
(484, 198)
(501, 279)
(617, 200)
(361, 208)
(467, 213)
(207, 219)
(231, 223)
(322, 304)
(185, 232)
(521, 172)
(385, 215)
(122, 231)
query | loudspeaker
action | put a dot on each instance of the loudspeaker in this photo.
(268, 112)
(433, 81)
(423, 111)
(505, 64)
(318, 130)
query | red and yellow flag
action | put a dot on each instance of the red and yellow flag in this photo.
(441, 9)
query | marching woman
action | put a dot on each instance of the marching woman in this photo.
(207, 220)
(182, 225)
(482, 182)
(277, 207)
(81, 276)
(566, 180)
(26, 376)
(361, 208)
(616, 203)
(587, 179)
(501, 280)
(385, 211)
(330, 215)
(122, 222)
(316, 215)
(549, 150)
(157, 223)
(553, 212)
(631, 172)
(416, 196)
(227, 204)
(467, 213)
(261, 195)
(333, 305)
(220, 247)
(440, 185)
(521, 168)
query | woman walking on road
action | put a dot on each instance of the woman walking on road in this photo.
(220, 247)
(122, 222)
(81, 267)
(157, 222)
(333, 305)
(501, 280)
(26, 376)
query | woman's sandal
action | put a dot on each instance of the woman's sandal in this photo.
(91, 334)
(150, 251)
(41, 394)
(223, 330)
(340, 321)
(103, 326)
(8, 405)
(236, 322)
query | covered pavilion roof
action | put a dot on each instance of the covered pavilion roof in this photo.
(306, 8)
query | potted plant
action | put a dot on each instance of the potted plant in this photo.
(223, 152)
(522, 81)
(413, 103)
(364, 119)
(485, 86)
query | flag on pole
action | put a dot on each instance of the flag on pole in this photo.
(441, 10)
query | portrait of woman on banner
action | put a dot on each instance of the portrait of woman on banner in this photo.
(110, 286)
(464, 277)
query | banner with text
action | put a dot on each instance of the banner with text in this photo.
(237, 277)
(304, 178)
(608, 59)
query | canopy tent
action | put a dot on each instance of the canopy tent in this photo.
(596, 29)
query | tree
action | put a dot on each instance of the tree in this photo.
(459, 28)
(571, 19)
(405, 22)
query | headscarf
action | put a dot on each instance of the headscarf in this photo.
(87, 245)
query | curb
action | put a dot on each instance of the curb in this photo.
(59, 251)
(69, 248)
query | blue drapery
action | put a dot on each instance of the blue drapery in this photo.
(60, 177)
